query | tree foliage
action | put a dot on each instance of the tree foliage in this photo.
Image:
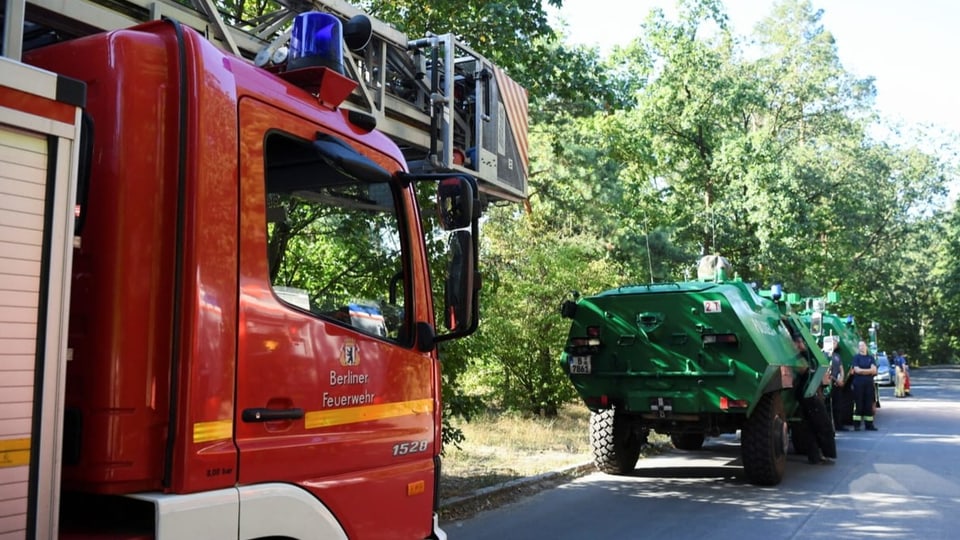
(693, 140)
(529, 268)
(760, 149)
(939, 326)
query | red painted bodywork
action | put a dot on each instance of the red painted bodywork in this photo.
(236, 345)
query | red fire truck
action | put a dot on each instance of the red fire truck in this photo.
(216, 309)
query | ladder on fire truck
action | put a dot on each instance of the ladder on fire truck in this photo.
(446, 106)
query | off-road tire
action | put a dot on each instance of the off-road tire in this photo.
(764, 442)
(616, 444)
(687, 441)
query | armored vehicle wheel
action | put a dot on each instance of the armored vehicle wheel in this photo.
(687, 441)
(764, 442)
(616, 445)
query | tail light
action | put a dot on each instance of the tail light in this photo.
(727, 403)
(586, 345)
(601, 402)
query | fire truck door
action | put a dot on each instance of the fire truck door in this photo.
(331, 394)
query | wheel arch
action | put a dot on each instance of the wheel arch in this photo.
(279, 510)
(260, 511)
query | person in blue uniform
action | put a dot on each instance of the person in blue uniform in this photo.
(863, 368)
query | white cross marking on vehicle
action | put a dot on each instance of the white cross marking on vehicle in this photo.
(661, 408)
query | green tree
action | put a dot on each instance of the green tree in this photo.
(529, 269)
(941, 327)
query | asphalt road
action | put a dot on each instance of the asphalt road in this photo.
(902, 481)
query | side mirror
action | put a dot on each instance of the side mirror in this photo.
(455, 202)
(459, 291)
(458, 211)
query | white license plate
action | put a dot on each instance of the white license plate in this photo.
(580, 365)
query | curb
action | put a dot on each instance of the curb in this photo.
(573, 471)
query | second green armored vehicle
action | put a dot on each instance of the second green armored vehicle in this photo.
(835, 333)
(824, 323)
(696, 359)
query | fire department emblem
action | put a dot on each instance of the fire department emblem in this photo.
(350, 353)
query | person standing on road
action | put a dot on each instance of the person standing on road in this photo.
(820, 436)
(898, 378)
(863, 368)
(837, 400)
(903, 375)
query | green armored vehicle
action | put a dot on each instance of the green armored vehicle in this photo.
(824, 324)
(835, 332)
(696, 359)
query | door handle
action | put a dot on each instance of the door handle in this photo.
(271, 415)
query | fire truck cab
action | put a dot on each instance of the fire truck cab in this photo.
(228, 326)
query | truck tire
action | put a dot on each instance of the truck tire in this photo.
(764, 442)
(687, 441)
(616, 445)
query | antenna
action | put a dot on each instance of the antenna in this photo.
(713, 230)
(646, 235)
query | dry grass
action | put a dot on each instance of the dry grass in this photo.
(503, 447)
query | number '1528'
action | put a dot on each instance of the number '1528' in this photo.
(411, 447)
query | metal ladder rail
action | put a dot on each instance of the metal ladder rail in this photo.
(426, 122)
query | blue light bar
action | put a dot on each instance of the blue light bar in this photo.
(316, 41)
(776, 291)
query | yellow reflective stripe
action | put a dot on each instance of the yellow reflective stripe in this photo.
(350, 415)
(14, 452)
(212, 431)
